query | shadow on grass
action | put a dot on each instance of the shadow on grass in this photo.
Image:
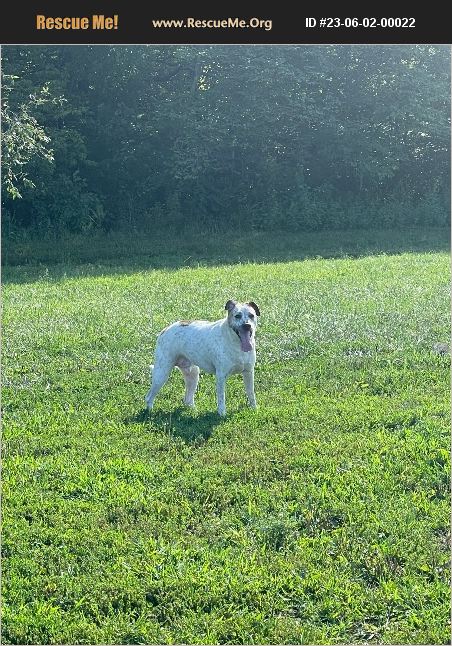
(179, 423)
(27, 262)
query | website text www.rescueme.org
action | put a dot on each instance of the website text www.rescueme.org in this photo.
(212, 23)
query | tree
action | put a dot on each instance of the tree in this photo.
(240, 137)
(23, 138)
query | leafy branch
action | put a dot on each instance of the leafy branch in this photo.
(23, 138)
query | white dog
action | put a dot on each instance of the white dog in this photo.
(221, 348)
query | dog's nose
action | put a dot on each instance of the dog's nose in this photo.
(247, 326)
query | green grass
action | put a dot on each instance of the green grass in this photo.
(322, 517)
(159, 250)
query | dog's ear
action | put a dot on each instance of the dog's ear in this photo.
(230, 305)
(255, 307)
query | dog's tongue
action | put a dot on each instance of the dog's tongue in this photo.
(245, 340)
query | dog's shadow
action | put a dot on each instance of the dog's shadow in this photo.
(179, 423)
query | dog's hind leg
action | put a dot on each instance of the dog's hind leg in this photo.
(191, 378)
(160, 373)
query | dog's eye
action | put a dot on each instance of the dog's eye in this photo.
(251, 315)
(238, 316)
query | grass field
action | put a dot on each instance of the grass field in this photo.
(322, 517)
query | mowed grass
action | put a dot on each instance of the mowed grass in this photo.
(322, 517)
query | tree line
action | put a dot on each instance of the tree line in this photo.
(224, 137)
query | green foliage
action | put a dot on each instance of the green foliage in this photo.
(322, 517)
(214, 137)
(23, 138)
(69, 207)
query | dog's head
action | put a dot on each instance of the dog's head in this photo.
(242, 318)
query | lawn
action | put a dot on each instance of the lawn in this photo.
(322, 517)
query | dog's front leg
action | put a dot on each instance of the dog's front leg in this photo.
(221, 397)
(248, 380)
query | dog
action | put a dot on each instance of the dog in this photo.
(222, 348)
